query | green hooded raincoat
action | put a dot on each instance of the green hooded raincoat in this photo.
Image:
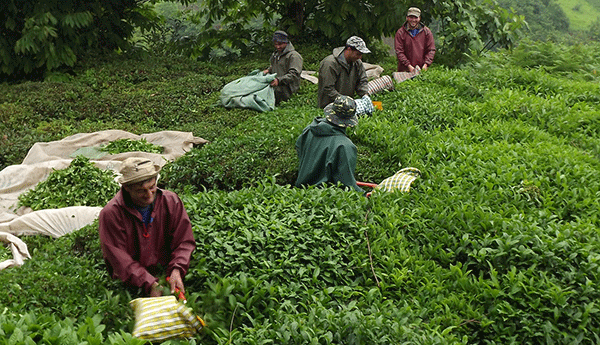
(326, 155)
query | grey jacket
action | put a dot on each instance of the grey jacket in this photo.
(338, 77)
(287, 66)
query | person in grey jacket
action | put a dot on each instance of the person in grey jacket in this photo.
(286, 62)
(343, 73)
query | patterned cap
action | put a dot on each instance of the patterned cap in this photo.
(413, 11)
(280, 36)
(358, 44)
(342, 112)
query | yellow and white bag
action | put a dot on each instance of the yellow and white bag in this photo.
(400, 180)
(162, 318)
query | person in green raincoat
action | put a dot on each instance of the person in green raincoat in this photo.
(325, 153)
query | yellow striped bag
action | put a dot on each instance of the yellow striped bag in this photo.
(162, 318)
(399, 181)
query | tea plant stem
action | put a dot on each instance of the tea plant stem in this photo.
(231, 323)
(369, 247)
(468, 321)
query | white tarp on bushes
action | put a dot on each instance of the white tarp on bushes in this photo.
(43, 158)
(18, 249)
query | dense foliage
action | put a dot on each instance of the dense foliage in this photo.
(465, 26)
(545, 19)
(43, 35)
(496, 243)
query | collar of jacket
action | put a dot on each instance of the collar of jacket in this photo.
(287, 49)
(336, 54)
(420, 26)
(124, 200)
(323, 128)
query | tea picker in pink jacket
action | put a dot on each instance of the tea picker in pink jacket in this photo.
(145, 231)
(414, 43)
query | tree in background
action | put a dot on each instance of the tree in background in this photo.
(466, 26)
(43, 35)
(545, 18)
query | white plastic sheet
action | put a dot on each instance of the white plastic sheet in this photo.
(18, 249)
(43, 158)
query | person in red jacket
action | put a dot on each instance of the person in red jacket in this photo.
(145, 231)
(414, 43)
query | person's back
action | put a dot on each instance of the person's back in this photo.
(325, 153)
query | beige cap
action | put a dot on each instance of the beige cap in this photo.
(136, 169)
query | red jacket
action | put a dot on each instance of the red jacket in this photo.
(136, 259)
(415, 51)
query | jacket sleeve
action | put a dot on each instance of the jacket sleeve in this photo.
(183, 242)
(429, 47)
(294, 70)
(362, 85)
(327, 78)
(113, 240)
(399, 48)
(271, 62)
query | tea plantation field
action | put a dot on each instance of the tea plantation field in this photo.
(498, 241)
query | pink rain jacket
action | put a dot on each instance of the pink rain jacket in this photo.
(134, 253)
(415, 51)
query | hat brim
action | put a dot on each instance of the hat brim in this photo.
(364, 50)
(332, 117)
(140, 178)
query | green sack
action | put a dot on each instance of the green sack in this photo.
(252, 91)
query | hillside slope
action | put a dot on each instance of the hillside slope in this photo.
(581, 13)
(497, 241)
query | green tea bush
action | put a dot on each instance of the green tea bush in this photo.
(258, 147)
(65, 279)
(5, 252)
(271, 254)
(495, 243)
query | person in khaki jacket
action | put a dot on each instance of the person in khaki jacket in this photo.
(343, 73)
(286, 62)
